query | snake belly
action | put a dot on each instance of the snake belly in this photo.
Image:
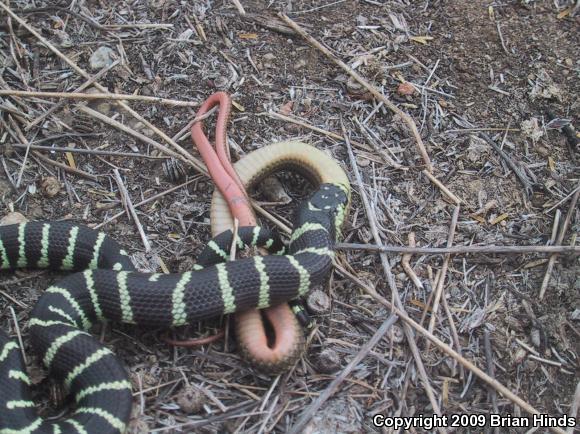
(277, 349)
(108, 287)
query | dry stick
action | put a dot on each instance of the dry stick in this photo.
(93, 96)
(186, 130)
(559, 240)
(458, 250)
(83, 86)
(138, 26)
(405, 262)
(185, 156)
(492, 382)
(86, 151)
(24, 140)
(390, 160)
(64, 167)
(520, 174)
(126, 199)
(444, 189)
(563, 200)
(441, 281)
(38, 155)
(239, 6)
(454, 334)
(295, 121)
(18, 334)
(144, 202)
(376, 93)
(315, 406)
(391, 281)
(116, 124)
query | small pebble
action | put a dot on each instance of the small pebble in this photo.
(50, 186)
(318, 301)
(191, 400)
(328, 361)
(103, 56)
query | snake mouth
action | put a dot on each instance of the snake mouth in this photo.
(272, 341)
(269, 329)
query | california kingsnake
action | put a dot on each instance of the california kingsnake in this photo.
(110, 288)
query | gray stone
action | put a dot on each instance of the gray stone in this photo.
(103, 56)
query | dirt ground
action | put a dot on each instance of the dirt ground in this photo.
(488, 84)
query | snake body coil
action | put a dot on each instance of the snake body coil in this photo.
(110, 288)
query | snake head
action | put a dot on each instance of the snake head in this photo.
(328, 206)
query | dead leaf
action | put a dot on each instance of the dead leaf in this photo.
(421, 39)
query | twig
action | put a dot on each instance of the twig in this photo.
(146, 201)
(329, 391)
(139, 26)
(515, 168)
(87, 151)
(391, 281)
(568, 196)
(64, 167)
(24, 140)
(186, 130)
(234, 245)
(12, 299)
(390, 160)
(454, 333)
(83, 86)
(239, 7)
(18, 334)
(116, 124)
(372, 89)
(38, 155)
(559, 240)
(93, 96)
(405, 262)
(126, 199)
(471, 130)
(459, 250)
(441, 281)
(501, 38)
(444, 189)
(51, 10)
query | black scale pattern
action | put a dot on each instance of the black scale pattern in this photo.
(70, 305)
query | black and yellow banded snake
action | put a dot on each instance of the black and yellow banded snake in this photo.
(107, 286)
